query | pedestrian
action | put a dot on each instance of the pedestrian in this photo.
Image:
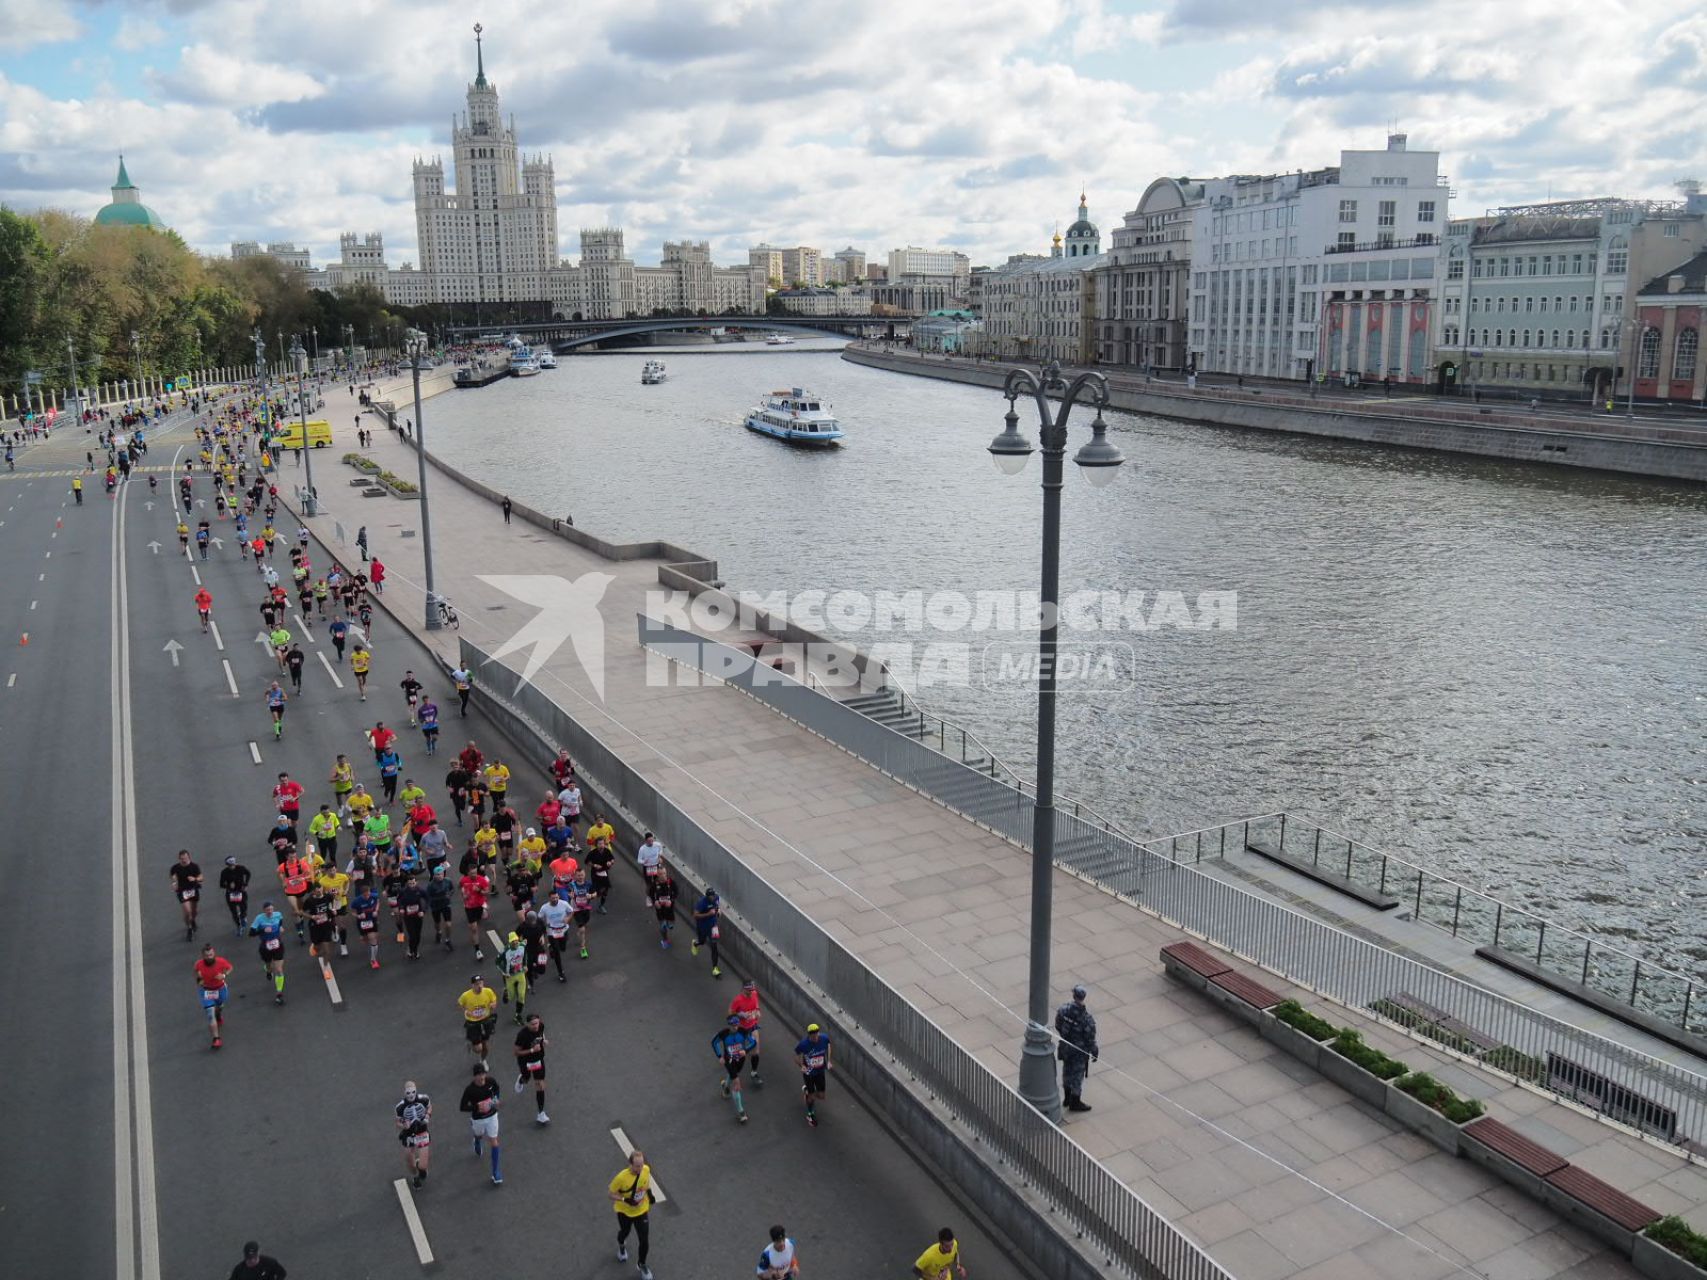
(507, 505)
(631, 1194)
(361, 542)
(1076, 1047)
(376, 575)
(940, 1261)
(414, 1112)
(481, 1099)
(779, 1260)
(257, 1265)
(530, 1063)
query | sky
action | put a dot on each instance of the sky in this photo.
(971, 124)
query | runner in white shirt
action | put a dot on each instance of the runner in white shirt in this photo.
(650, 855)
(570, 799)
(555, 916)
(778, 1260)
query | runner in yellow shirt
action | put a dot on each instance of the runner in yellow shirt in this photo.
(343, 782)
(323, 829)
(360, 660)
(486, 843)
(601, 830)
(337, 883)
(942, 1260)
(533, 848)
(631, 1194)
(498, 782)
(361, 804)
(479, 1004)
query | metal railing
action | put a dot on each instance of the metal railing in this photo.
(1554, 1055)
(1089, 1198)
(1478, 918)
(1423, 241)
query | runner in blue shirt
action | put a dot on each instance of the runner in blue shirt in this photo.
(813, 1055)
(276, 704)
(269, 927)
(731, 1047)
(365, 906)
(705, 928)
(390, 765)
(339, 631)
(429, 713)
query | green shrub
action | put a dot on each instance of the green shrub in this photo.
(1431, 1093)
(1422, 1025)
(1520, 1064)
(1299, 1018)
(1678, 1236)
(1349, 1044)
(361, 463)
(396, 482)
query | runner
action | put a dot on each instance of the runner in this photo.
(481, 1100)
(343, 781)
(662, 892)
(414, 1113)
(705, 926)
(650, 855)
(183, 536)
(412, 908)
(456, 786)
(335, 882)
(411, 693)
(732, 1046)
(269, 927)
(464, 680)
(561, 770)
(486, 844)
(294, 660)
(530, 1063)
(744, 1009)
(581, 904)
(513, 964)
(505, 822)
(477, 1004)
(339, 630)
(813, 1055)
(234, 884)
(779, 1260)
(287, 799)
(601, 830)
(570, 799)
(555, 916)
(323, 832)
(204, 606)
(599, 861)
(631, 1193)
(360, 659)
(380, 739)
(280, 639)
(203, 533)
(476, 890)
(275, 697)
(940, 1261)
(521, 879)
(187, 888)
(497, 781)
(321, 912)
(440, 892)
(210, 978)
(296, 876)
(429, 714)
(365, 907)
(390, 765)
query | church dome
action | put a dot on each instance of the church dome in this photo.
(126, 208)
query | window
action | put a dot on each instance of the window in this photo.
(1425, 211)
(1570, 338)
(1455, 267)
(1606, 338)
(1617, 256)
(1526, 341)
(1685, 352)
(1348, 211)
(1484, 337)
(1499, 304)
(1499, 337)
(1511, 338)
(1529, 304)
(1479, 270)
(1671, 234)
(1648, 363)
(1505, 266)
(1555, 343)
(1475, 305)
(1573, 302)
(1386, 213)
(1543, 305)
(1547, 264)
(1383, 239)
(1347, 238)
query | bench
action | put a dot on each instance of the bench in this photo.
(1251, 992)
(1427, 1013)
(1189, 955)
(1503, 1150)
(1580, 1197)
(1189, 963)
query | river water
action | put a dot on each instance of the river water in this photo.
(1497, 671)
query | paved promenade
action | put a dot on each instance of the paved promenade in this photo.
(1277, 1172)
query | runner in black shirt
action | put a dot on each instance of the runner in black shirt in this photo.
(532, 931)
(414, 1113)
(234, 884)
(481, 1100)
(411, 692)
(187, 888)
(412, 907)
(439, 894)
(504, 822)
(293, 663)
(257, 1265)
(599, 859)
(456, 783)
(322, 913)
(530, 1062)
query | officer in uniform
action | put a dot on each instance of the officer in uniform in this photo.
(1077, 1049)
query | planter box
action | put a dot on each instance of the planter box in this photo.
(1657, 1262)
(1420, 1118)
(1292, 1041)
(1183, 974)
(1353, 1079)
(377, 491)
(398, 493)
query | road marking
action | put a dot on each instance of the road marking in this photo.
(307, 630)
(331, 984)
(423, 1250)
(136, 1217)
(32, 605)
(11, 679)
(48, 556)
(329, 670)
(497, 943)
(54, 534)
(196, 574)
(230, 680)
(217, 642)
(255, 752)
(173, 648)
(41, 577)
(658, 1196)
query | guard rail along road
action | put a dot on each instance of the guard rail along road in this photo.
(1666, 1101)
(1084, 1198)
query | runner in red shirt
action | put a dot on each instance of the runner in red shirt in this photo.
(471, 759)
(549, 810)
(204, 604)
(210, 978)
(562, 770)
(476, 889)
(744, 1008)
(381, 738)
(288, 796)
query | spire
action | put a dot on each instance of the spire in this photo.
(123, 182)
(1084, 210)
(479, 58)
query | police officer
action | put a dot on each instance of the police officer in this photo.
(1077, 1049)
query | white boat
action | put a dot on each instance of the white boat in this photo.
(796, 416)
(779, 340)
(523, 363)
(652, 373)
(546, 360)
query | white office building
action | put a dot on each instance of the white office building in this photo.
(1328, 271)
(913, 261)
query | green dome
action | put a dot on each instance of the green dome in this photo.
(131, 215)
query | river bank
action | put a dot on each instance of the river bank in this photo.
(1595, 443)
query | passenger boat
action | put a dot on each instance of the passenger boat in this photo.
(779, 340)
(545, 359)
(795, 416)
(522, 362)
(652, 373)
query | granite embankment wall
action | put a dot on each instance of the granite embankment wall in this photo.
(1668, 453)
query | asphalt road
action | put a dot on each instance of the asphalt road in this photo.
(286, 1134)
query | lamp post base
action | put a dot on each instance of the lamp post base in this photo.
(1038, 1083)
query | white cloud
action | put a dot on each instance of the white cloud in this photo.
(211, 75)
(27, 23)
(137, 32)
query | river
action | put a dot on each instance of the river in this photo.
(1498, 671)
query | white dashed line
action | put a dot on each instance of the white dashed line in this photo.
(331, 983)
(255, 752)
(329, 670)
(196, 574)
(11, 679)
(658, 1196)
(218, 643)
(32, 605)
(230, 680)
(423, 1250)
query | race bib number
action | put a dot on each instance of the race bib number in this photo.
(235, 895)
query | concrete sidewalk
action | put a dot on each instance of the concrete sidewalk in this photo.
(1276, 1171)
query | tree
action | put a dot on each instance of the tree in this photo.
(24, 267)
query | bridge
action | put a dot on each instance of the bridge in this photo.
(566, 335)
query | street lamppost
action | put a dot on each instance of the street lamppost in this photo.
(350, 345)
(1099, 457)
(299, 358)
(315, 334)
(416, 344)
(136, 359)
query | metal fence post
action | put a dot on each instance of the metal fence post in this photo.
(1499, 919)
(1635, 978)
(1348, 847)
(1540, 941)
(1383, 873)
(1283, 831)
(1316, 851)
(1457, 906)
(1587, 948)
